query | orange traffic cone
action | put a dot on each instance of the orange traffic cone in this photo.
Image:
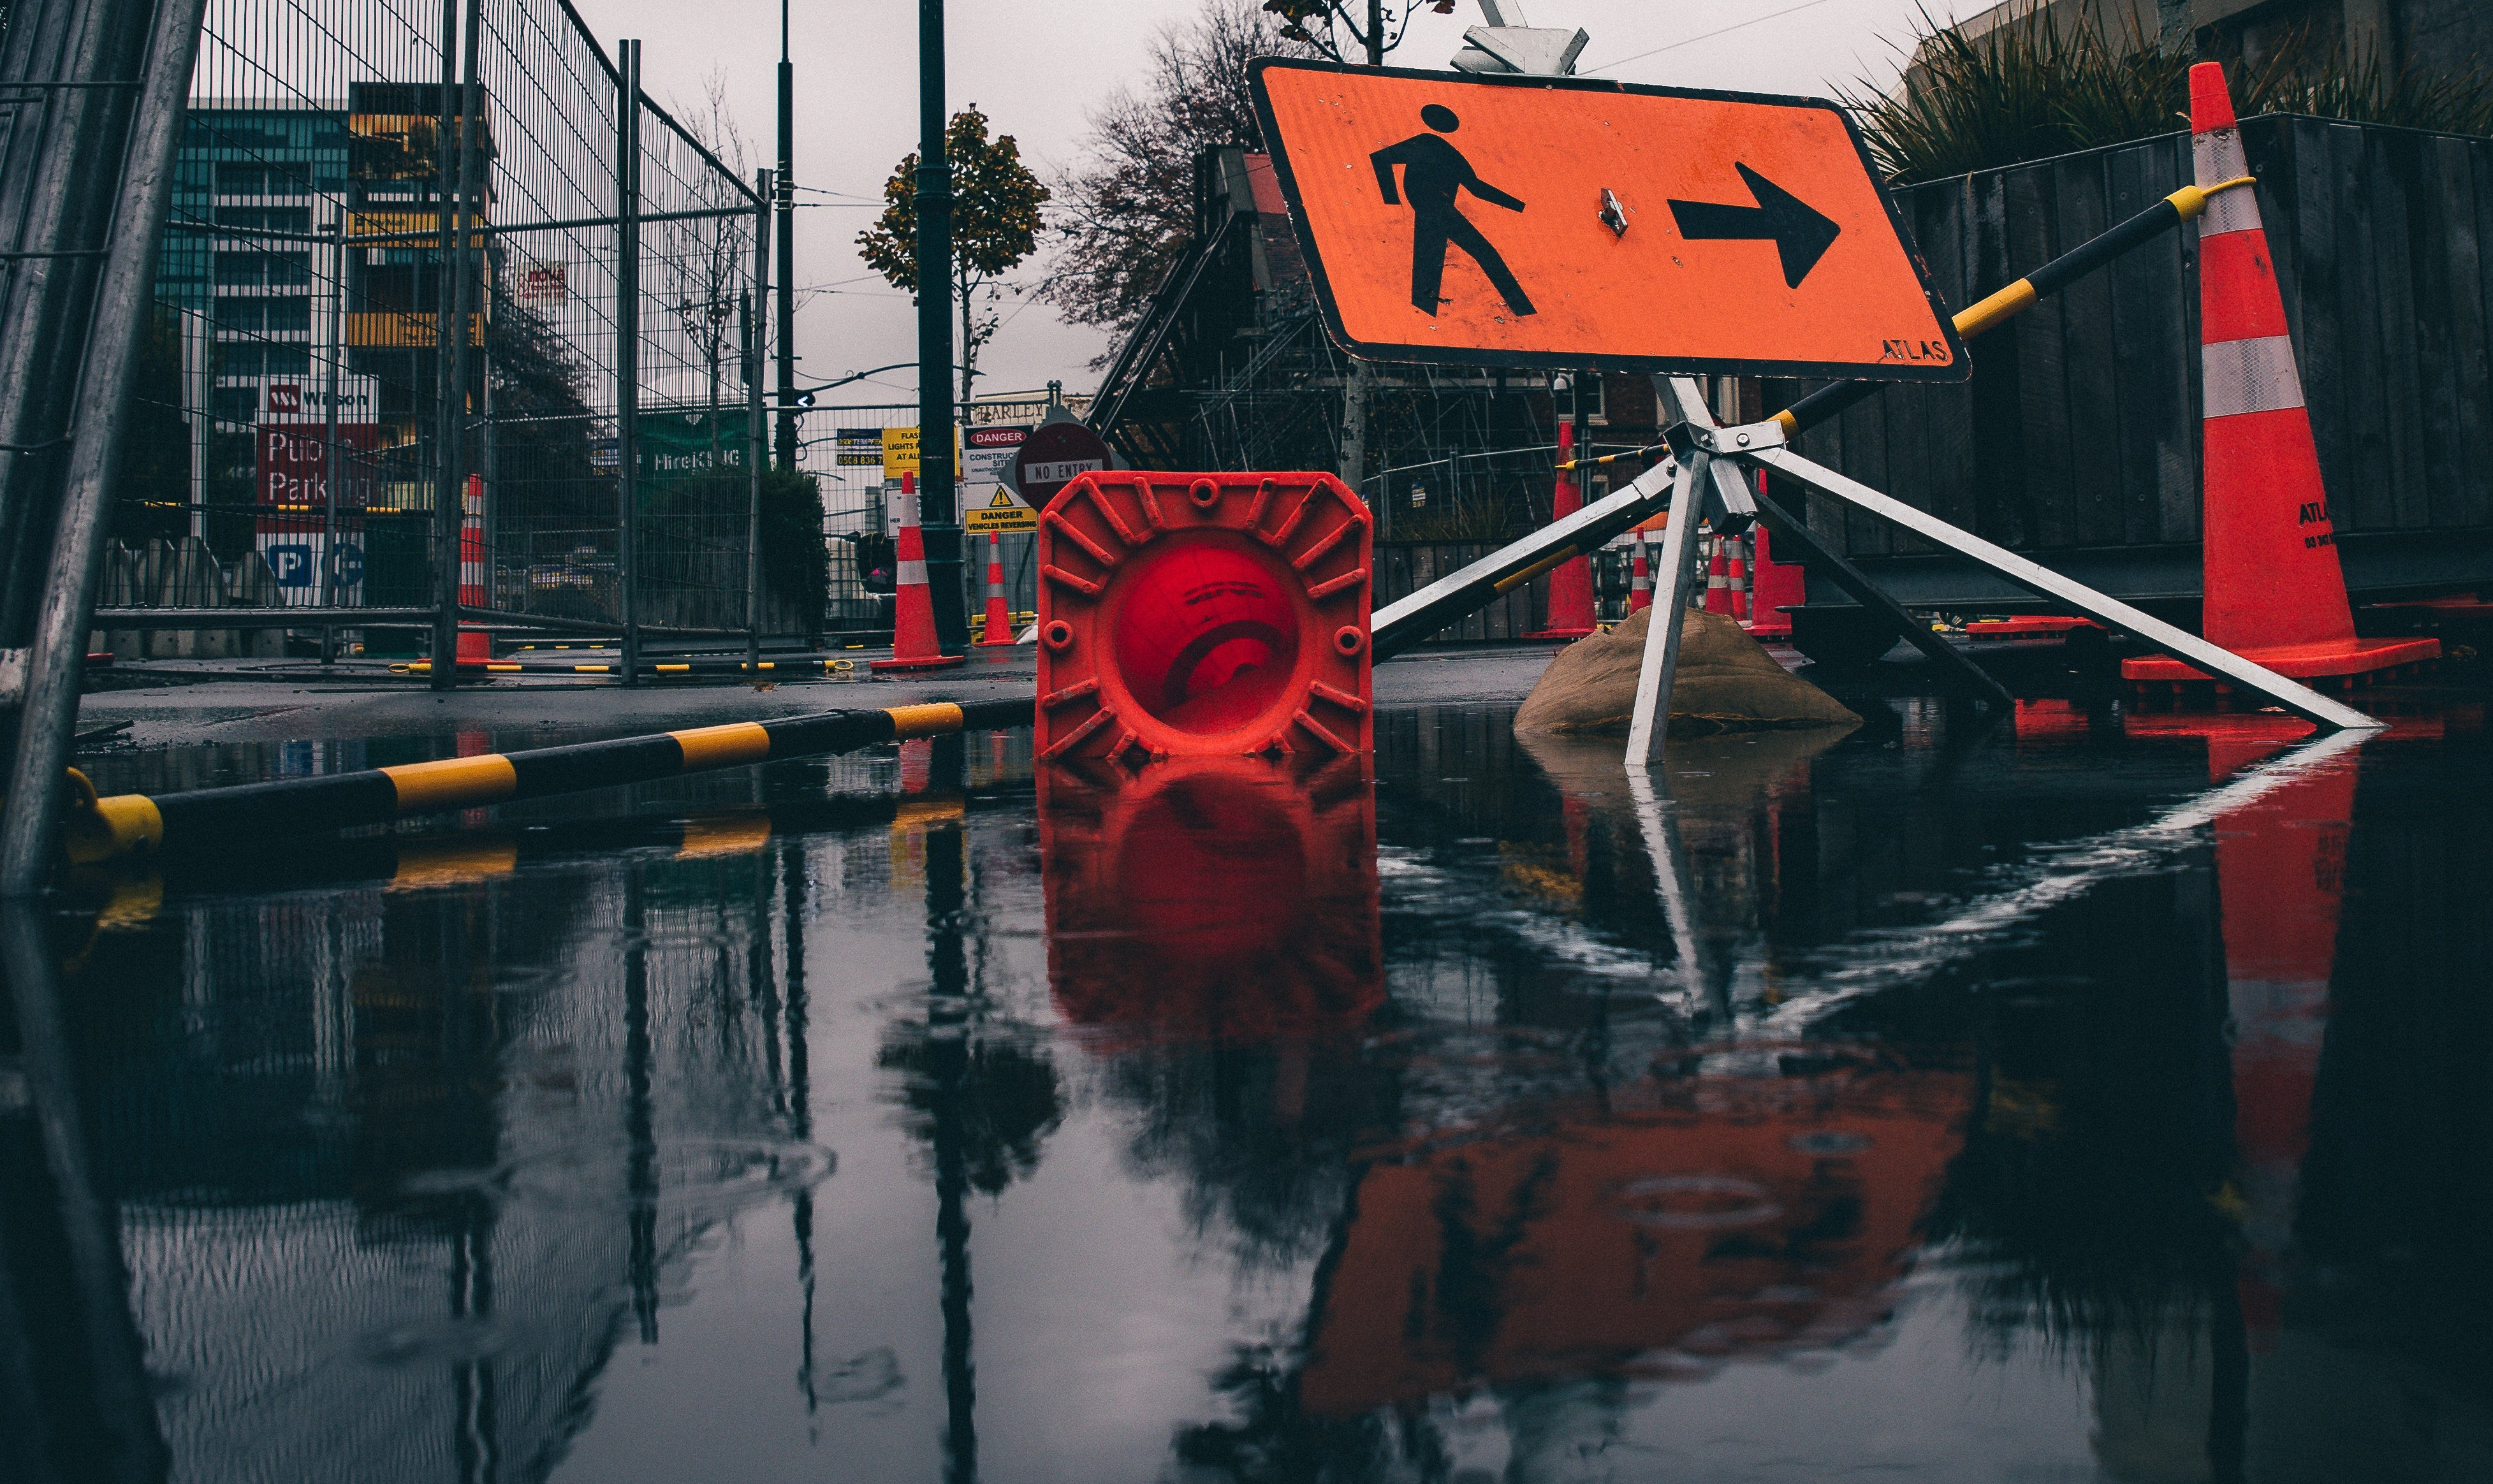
(1570, 582)
(1773, 587)
(1735, 576)
(912, 607)
(475, 645)
(1718, 578)
(1000, 629)
(2273, 590)
(1639, 578)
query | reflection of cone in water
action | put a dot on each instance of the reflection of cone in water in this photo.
(913, 645)
(1219, 899)
(2280, 878)
(1720, 1220)
(999, 611)
(2273, 589)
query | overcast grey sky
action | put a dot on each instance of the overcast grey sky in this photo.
(1036, 68)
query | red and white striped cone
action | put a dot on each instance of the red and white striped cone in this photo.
(913, 605)
(1773, 587)
(1000, 629)
(1718, 578)
(2273, 591)
(475, 645)
(1639, 578)
(1736, 577)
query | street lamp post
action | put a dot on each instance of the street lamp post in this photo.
(938, 500)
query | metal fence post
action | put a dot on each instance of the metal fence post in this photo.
(328, 588)
(627, 343)
(56, 662)
(756, 447)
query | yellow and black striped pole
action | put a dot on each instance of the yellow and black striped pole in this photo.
(2182, 206)
(773, 669)
(102, 829)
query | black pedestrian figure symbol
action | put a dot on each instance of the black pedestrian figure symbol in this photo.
(1433, 174)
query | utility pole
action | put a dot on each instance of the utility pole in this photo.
(783, 196)
(939, 514)
(1355, 384)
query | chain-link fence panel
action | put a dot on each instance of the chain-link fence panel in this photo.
(301, 418)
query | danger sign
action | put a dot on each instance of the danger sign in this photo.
(1553, 222)
(988, 499)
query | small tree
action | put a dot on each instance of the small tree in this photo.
(995, 226)
(701, 268)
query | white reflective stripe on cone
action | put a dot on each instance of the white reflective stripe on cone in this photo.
(913, 574)
(2252, 375)
(2216, 157)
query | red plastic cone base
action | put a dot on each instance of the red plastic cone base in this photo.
(2327, 660)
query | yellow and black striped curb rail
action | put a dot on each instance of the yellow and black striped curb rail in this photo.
(672, 668)
(102, 829)
(2182, 206)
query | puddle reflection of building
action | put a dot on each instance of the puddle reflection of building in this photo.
(396, 1170)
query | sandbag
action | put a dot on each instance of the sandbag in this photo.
(1727, 682)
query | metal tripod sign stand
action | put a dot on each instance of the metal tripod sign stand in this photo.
(1708, 479)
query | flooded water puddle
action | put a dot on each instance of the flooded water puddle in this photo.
(2066, 1101)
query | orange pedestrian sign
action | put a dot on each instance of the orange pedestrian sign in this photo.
(1557, 223)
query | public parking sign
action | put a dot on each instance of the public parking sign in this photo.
(1055, 456)
(1555, 222)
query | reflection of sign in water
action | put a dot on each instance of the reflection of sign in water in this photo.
(1555, 222)
(858, 448)
(988, 500)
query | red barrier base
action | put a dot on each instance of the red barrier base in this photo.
(2329, 665)
(922, 661)
(1203, 614)
(2027, 626)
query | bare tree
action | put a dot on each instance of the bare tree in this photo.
(1369, 28)
(1126, 209)
(700, 265)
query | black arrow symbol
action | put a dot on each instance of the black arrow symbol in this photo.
(1800, 234)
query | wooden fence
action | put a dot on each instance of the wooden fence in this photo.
(2077, 436)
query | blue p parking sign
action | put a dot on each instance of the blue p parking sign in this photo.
(292, 564)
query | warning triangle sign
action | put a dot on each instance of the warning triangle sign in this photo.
(1002, 501)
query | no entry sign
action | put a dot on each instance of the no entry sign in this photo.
(1556, 222)
(1055, 456)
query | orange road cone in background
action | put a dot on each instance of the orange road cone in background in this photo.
(1736, 577)
(1718, 578)
(475, 645)
(2273, 589)
(912, 607)
(1773, 587)
(1570, 581)
(1639, 578)
(1000, 629)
